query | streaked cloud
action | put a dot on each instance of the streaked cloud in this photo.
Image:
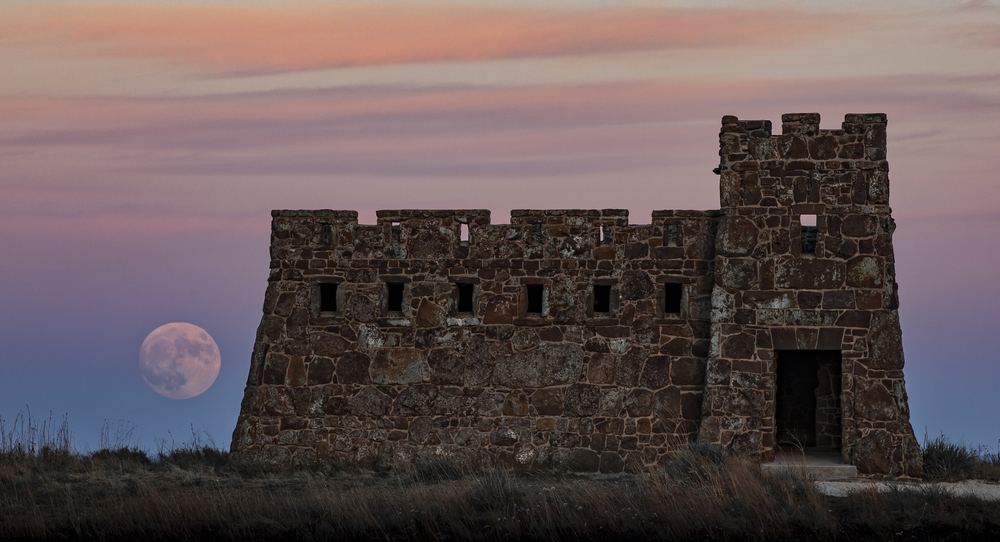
(978, 34)
(287, 37)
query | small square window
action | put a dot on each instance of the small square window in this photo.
(535, 292)
(328, 297)
(394, 296)
(466, 293)
(673, 235)
(604, 235)
(536, 234)
(602, 298)
(671, 298)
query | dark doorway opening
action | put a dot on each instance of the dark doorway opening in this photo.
(807, 399)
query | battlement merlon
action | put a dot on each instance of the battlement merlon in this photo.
(805, 164)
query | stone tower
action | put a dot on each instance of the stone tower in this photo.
(573, 339)
(823, 293)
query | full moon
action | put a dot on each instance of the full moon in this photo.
(179, 360)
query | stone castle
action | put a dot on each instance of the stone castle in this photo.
(572, 339)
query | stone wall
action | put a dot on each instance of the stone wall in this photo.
(566, 387)
(769, 295)
(573, 339)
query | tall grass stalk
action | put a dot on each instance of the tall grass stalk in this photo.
(28, 437)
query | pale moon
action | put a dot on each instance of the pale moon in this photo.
(179, 360)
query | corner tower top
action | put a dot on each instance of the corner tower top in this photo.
(806, 167)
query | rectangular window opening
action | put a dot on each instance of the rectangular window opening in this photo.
(397, 231)
(604, 235)
(810, 232)
(464, 234)
(394, 299)
(327, 237)
(328, 297)
(672, 235)
(602, 298)
(535, 298)
(536, 233)
(465, 295)
(671, 298)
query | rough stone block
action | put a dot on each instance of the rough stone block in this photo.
(582, 400)
(547, 365)
(399, 366)
(737, 236)
(865, 272)
(816, 274)
(885, 342)
(655, 372)
(548, 401)
(601, 369)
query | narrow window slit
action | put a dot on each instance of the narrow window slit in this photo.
(807, 223)
(328, 297)
(464, 234)
(536, 233)
(602, 298)
(394, 299)
(671, 298)
(465, 296)
(397, 231)
(535, 298)
(327, 238)
(604, 235)
(672, 236)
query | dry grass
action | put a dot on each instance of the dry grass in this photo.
(927, 513)
(117, 496)
(193, 492)
(946, 461)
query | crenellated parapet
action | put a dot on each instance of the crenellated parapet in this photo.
(467, 234)
(805, 165)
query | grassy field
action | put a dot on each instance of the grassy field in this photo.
(194, 491)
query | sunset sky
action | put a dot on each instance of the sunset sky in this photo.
(144, 143)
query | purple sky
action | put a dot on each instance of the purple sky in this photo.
(143, 144)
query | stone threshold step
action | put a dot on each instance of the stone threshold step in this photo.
(819, 465)
(818, 472)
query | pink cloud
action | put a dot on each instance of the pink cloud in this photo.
(132, 225)
(283, 38)
(451, 148)
(985, 35)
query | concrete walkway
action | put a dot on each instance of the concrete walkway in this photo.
(968, 488)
